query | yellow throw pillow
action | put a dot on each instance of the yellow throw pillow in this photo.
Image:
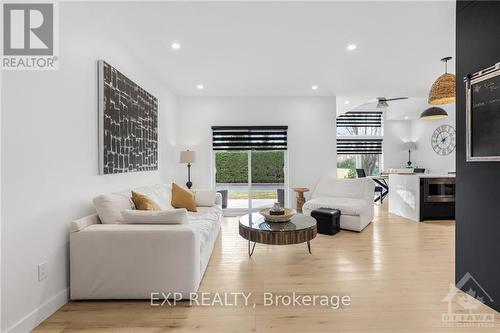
(183, 198)
(143, 202)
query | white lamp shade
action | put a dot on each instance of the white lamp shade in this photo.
(187, 156)
(410, 145)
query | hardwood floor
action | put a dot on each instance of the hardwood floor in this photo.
(396, 272)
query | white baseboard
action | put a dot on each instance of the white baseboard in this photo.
(35, 317)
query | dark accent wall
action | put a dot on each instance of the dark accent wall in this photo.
(478, 183)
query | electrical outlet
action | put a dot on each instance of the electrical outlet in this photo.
(43, 271)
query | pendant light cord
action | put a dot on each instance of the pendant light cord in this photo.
(445, 60)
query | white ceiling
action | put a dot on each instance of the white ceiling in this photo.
(276, 48)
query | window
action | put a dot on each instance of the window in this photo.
(250, 166)
(359, 143)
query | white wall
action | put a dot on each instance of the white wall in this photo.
(425, 156)
(396, 132)
(49, 161)
(311, 132)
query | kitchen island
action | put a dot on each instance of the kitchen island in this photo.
(420, 197)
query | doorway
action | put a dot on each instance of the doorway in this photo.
(250, 179)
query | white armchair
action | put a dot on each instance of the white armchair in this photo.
(353, 197)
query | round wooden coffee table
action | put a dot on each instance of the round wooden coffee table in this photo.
(255, 228)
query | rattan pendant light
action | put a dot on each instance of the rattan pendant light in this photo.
(443, 89)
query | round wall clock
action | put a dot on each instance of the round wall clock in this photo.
(443, 140)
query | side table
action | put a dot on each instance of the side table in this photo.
(300, 197)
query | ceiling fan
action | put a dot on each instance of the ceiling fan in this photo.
(382, 101)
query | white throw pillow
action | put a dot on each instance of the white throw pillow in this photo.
(204, 198)
(171, 216)
(161, 194)
(109, 206)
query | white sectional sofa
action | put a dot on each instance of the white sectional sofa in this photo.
(112, 260)
(353, 197)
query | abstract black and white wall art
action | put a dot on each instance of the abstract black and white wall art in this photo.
(128, 124)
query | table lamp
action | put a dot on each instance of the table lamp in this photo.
(410, 145)
(187, 156)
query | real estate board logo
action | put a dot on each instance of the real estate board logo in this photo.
(30, 36)
(464, 308)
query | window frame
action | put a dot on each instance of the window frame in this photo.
(379, 136)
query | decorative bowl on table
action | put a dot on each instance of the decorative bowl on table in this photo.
(287, 215)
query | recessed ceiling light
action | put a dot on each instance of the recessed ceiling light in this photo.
(406, 117)
(200, 87)
(351, 47)
(347, 102)
(314, 87)
(175, 45)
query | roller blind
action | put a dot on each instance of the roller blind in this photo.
(249, 137)
(359, 146)
(360, 119)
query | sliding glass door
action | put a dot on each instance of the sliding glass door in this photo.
(250, 166)
(267, 182)
(250, 180)
(232, 178)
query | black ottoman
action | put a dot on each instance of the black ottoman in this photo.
(328, 220)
